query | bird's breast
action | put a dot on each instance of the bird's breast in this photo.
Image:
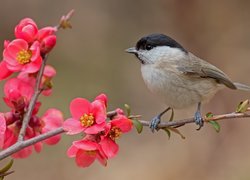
(174, 88)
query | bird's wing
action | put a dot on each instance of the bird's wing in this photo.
(195, 66)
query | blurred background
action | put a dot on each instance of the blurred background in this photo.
(90, 59)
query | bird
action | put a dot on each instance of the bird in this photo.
(179, 78)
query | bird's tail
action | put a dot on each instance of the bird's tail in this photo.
(242, 86)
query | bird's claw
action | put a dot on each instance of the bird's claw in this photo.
(198, 120)
(154, 123)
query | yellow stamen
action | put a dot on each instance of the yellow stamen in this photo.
(115, 133)
(23, 56)
(87, 120)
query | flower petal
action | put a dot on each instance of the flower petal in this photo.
(94, 129)
(33, 66)
(72, 126)
(4, 71)
(53, 118)
(99, 111)
(84, 159)
(38, 147)
(123, 123)
(101, 159)
(72, 151)
(86, 145)
(109, 147)
(79, 106)
(103, 98)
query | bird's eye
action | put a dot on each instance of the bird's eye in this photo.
(148, 47)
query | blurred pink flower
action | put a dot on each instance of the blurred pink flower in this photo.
(52, 119)
(17, 94)
(20, 57)
(86, 117)
(47, 39)
(26, 30)
(86, 152)
(114, 129)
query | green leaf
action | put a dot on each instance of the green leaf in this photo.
(167, 131)
(172, 115)
(177, 132)
(216, 125)
(138, 125)
(7, 167)
(242, 107)
(209, 115)
(128, 109)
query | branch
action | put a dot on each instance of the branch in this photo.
(191, 120)
(22, 144)
(33, 101)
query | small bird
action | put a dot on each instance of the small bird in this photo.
(178, 77)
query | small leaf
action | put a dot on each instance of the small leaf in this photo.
(216, 125)
(7, 167)
(172, 115)
(167, 131)
(138, 125)
(128, 109)
(209, 115)
(177, 132)
(242, 107)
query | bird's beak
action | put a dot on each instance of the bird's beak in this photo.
(131, 50)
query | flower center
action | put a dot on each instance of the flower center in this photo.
(87, 120)
(23, 56)
(115, 133)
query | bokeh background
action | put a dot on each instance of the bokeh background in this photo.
(90, 59)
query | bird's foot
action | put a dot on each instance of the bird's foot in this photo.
(198, 119)
(154, 123)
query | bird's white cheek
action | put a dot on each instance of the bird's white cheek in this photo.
(162, 53)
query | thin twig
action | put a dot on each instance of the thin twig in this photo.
(33, 101)
(22, 144)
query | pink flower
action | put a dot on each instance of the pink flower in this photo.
(17, 94)
(26, 30)
(114, 129)
(52, 119)
(85, 153)
(45, 32)
(47, 39)
(20, 57)
(86, 117)
(47, 44)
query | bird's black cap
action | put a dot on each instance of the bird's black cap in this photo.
(153, 40)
